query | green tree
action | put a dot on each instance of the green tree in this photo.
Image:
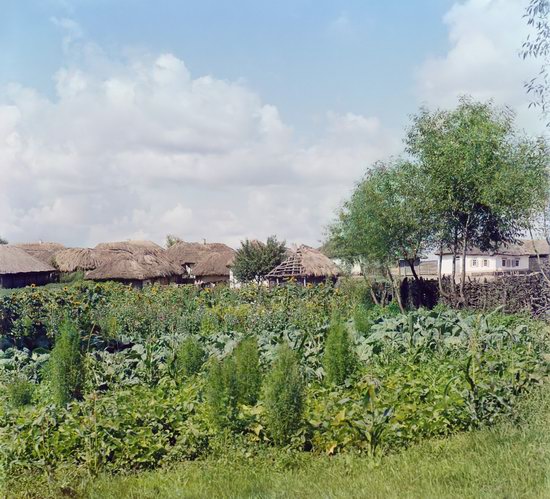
(171, 239)
(255, 259)
(284, 396)
(3, 241)
(387, 218)
(538, 47)
(485, 183)
(66, 367)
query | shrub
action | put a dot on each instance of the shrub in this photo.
(189, 358)
(248, 372)
(66, 366)
(19, 392)
(284, 396)
(221, 393)
(339, 358)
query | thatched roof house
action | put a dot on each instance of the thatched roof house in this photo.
(211, 259)
(213, 268)
(78, 259)
(44, 252)
(306, 265)
(18, 269)
(131, 246)
(136, 268)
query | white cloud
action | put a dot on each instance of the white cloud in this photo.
(142, 148)
(485, 38)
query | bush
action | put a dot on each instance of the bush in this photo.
(284, 396)
(66, 366)
(19, 392)
(189, 358)
(248, 372)
(221, 393)
(339, 359)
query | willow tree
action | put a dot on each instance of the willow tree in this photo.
(485, 182)
(387, 219)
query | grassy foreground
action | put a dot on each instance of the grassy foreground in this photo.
(508, 460)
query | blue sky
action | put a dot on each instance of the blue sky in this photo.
(306, 56)
(224, 120)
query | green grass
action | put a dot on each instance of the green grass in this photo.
(507, 461)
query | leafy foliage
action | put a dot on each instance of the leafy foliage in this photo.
(255, 259)
(248, 371)
(3, 240)
(189, 358)
(19, 392)
(284, 396)
(66, 366)
(417, 375)
(339, 357)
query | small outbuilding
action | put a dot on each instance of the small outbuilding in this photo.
(137, 269)
(134, 262)
(19, 269)
(212, 257)
(305, 265)
(214, 268)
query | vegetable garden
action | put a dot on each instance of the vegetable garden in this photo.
(104, 378)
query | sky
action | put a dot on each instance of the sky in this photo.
(218, 120)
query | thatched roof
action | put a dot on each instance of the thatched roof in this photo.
(130, 246)
(42, 251)
(305, 262)
(184, 253)
(135, 266)
(75, 259)
(214, 264)
(14, 260)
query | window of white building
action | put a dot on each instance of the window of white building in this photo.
(474, 262)
(485, 263)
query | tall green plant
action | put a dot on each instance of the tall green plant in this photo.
(284, 396)
(221, 393)
(189, 358)
(66, 367)
(248, 371)
(339, 360)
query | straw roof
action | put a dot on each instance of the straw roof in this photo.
(133, 266)
(184, 253)
(75, 259)
(130, 246)
(214, 264)
(14, 260)
(305, 262)
(42, 251)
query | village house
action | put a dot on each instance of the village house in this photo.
(43, 251)
(72, 260)
(512, 259)
(202, 263)
(19, 269)
(305, 266)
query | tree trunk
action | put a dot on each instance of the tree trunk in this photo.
(464, 248)
(442, 292)
(396, 290)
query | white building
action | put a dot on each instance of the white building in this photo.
(517, 258)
